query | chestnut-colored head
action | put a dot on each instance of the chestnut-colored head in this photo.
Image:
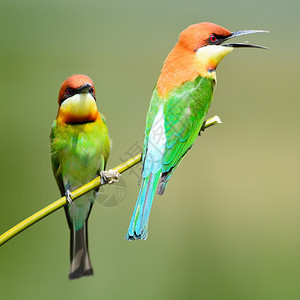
(77, 100)
(75, 85)
(202, 34)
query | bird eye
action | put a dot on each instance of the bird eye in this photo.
(91, 90)
(68, 91)
(212, 38)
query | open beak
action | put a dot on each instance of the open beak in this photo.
(244, 45)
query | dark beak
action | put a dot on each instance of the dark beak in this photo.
(244, 45)
(84, 88)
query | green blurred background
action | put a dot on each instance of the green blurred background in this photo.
(228, 226)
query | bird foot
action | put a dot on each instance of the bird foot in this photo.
(202, 128)
(109, 176)
(69, 197)
(207, 123)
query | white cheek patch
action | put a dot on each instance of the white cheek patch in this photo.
(79, 104)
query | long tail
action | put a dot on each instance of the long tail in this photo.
(80, 259)
(138, 228)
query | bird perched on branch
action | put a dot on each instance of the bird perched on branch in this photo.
(80, 148)
(179, 103)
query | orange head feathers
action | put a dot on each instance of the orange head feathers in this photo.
(199, 35)
(77, 100)
(197, 53)
(73, 83)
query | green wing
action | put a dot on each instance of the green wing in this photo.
(55, 160)
(184, 112)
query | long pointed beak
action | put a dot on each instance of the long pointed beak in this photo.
(244, 45)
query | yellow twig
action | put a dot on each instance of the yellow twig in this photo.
(79, 192)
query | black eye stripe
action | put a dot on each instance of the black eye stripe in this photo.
(215, 39)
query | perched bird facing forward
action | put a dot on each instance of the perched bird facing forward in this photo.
(80, 148)
(179, 103)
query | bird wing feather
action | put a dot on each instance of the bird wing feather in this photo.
(184, 113)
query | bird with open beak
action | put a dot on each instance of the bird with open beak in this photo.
(179, 104)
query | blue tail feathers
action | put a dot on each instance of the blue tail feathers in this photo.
(138, 228)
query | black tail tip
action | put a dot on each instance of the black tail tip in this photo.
(79, 273)
(135, 236)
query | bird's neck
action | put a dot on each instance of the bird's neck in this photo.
(184, 65)
(80, 108)
(178, 68)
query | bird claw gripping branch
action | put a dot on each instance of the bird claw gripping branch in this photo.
(109, 176)
(69, 197)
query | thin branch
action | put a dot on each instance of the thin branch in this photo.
(79, 192)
